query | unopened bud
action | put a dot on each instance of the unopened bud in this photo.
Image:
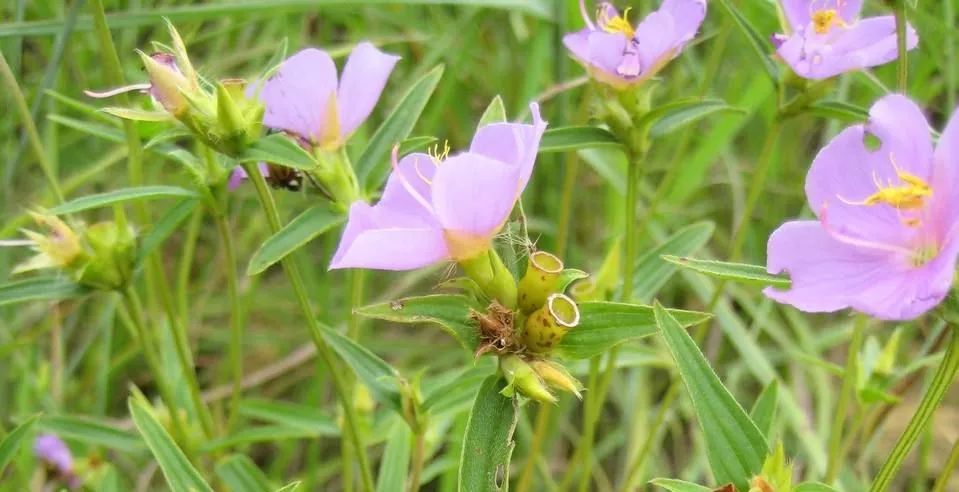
(556, 376)
(547, 326)
(112, 256)
(167, 83)
(522, 379)
(58, 248)
(542, 276)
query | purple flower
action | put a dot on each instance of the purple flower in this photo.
(55, 453)
(827, 38)
(885, 242)
(304, 97)
(436, 208)
(619, 54)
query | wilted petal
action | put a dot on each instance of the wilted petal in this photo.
(383, 239)
(364, 77)
(473, 195)
(513, 143)
(296, 97)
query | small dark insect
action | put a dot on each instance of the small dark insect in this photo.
(283, 177)
(496, 330)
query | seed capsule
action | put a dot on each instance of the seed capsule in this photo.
(556, 376)
(523, 379)
(547, 326)
(542, 276)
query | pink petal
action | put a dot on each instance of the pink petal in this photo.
(657, 39)
(797, 12)
(473, 195)
(605, 50)
(904, 133)
(364, 77)
(382, 239)
(946, 176)
(296, 97)
(687, 16)
(512, 143)
(413, 172)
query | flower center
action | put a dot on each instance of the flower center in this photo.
(616, 23)
(923, 254)
(909, 194)
(824, 19)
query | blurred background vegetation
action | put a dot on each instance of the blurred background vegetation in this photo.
(697, 177)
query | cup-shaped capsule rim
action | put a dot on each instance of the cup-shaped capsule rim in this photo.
(563, 309)
(546, 262)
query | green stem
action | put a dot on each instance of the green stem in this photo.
(946, 472)
(846, 393)
(236, 315)
(326, 354)
(927, 406)
(20, 103)
(419, 457)
(137, 316)
(901, 33)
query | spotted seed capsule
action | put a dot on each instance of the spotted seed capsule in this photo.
(542, 276)
(547, 326)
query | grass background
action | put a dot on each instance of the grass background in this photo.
(697, 175)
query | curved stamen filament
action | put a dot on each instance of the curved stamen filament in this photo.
(585, 14)
(394, 162)
(615, 24)
(858, 242)
(118, 90)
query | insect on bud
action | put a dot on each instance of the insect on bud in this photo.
(556, 376)
(547, 326)
(521, 378)
(542, 276)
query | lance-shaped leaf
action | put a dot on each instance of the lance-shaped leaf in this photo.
(240, 474)
(652, 271)
(120, 196)
(567, 138)
(735, 447)
(379, 377)
(759, 44)
(313, 222)
(738, 272)
(604, 325)
(488, 445)
(373, 165)
(451, 312)
(675, 115)
(91, 431)
(494, 113)
(12, 441)
(839, 110)
(177, 469)
(279, 149)
(763, 412)
(40, 289)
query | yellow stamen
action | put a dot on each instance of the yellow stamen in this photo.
(618, 24)
(910, 195)
(823, 20)
(439, 155)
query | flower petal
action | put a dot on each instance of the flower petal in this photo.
(473, 194)
(687, 16)
(578, 45)
(605, 50)
(382, 239)
(946, 176)
(904, 132)
(413, 173)
(512, 143)
(296, 96)
(657, 39)
(364, 77)
(797, 13)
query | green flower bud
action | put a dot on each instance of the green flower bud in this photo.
(776, 474)
(59, 248)
(542, 276)
(556, 376)
(547, 326)
(112, 254)
(167, 84)
(522, 379)
(491, 275)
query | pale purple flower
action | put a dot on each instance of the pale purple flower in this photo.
(238, 176)
(436, 208)
(616, 52)
(306, 98)
(886, 240)
(55, 453)
(827, 38)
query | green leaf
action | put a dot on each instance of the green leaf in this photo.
(373, 165)
(167, 225)
(279, 149)
(40, 289)
(396, 458)
(240, 474)
(673, 116)
(839, 110)
(138, 114)
(179, 472)
(495, 113)
(735, 447)
(652, 271)
(89, 430)
(567, 138)
(289, 414)
(488, 444)
(261, 434)
(603, 325)
(759, 44)
(567, 277)
(441, 398)
(12, 441)
(763, 412)
(379, 377)
(739, 272)
(313, 222)
(414, 144)
(813, 487)
(451, 312)
(674, 485)
(290, 487)
(119, 196)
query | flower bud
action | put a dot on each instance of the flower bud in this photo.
(492, 276)
(546, 327)
(239, 119)
(60, 248)
(542, 277)
(556, 376)
(112, 256)
(776, 474)
(521, 378)
(167, 84)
